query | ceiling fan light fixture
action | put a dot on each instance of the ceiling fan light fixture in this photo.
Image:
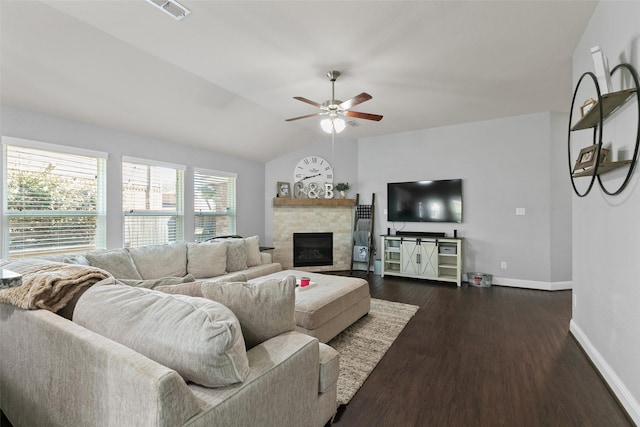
(334, 108)
(333, 124)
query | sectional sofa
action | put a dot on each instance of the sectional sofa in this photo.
(124, 341)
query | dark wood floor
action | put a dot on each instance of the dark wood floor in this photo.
(471, 356)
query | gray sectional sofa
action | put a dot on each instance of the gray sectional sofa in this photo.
(227, 259)
(137, 348)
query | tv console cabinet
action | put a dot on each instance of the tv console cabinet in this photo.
(432, 258)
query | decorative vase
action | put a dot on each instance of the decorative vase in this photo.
(342, 195)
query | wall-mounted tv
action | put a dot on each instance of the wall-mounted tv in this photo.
(425, 201)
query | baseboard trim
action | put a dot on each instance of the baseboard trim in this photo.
(614, 382)
(533, 284)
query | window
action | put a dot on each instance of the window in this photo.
(152, 201)
(214, 204)
(54, 199)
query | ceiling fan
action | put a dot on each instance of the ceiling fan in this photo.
(335, 108)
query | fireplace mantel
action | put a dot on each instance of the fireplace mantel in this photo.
(292, 202)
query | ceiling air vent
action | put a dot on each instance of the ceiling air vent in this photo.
(171, 7)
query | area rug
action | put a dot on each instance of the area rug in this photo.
(362, 345)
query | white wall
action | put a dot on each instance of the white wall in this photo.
(606, 230)
(25, 124)
(505, 164)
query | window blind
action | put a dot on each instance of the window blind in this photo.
(214, 204)
(54, 201)
(153, 203)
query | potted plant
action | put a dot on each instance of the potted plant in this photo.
(342, 187)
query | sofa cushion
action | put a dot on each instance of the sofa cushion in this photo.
(256, 272)
(76, 259)
(118, 262)
(161, 281)
(198, 338)
(206, 259)
(236, 255)
(252, 246)
(154, 261)
(264, 310)
(194, 288)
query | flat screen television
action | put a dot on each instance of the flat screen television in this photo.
(425, 201)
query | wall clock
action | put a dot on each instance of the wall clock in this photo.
(313, 178)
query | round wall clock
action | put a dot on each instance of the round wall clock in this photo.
(310, 176)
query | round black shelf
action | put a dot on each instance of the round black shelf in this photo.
(606, 105)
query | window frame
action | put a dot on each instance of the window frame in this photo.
(100, 213)
(230, 212)
(178, 213)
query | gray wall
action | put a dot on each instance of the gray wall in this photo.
(24, 124)
(606, 230)
(510, 163)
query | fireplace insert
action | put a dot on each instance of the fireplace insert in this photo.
(312, 249)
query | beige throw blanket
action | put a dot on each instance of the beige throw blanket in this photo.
(46, 284)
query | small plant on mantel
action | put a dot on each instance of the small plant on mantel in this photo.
(342, 187)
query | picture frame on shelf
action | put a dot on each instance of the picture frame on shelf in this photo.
(284, 189)
(587, 106)
(587, 157)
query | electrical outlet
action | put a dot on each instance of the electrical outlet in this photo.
(520, 211)
(503, 265)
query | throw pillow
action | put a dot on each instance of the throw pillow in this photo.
(117, 262)
(264, 310)
(206, 259)
(198, 338)
(236, 255)
(154, 261)
(252, 246)
(162, 281)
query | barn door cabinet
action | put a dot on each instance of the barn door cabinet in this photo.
(422, 258)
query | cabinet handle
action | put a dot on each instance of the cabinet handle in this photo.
(417, 258)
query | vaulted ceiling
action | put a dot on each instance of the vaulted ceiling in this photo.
(223, 78)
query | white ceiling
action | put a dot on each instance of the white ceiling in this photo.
(224, 77)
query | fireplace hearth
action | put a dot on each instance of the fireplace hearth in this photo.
(312, 249)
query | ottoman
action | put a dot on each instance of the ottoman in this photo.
(329, 306)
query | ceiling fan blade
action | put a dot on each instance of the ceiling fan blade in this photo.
(358, 99)
(304, 117)
(308, 101)
(365, 116)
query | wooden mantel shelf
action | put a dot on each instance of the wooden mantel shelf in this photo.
(288, 201)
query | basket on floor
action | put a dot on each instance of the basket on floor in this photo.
(481, 280)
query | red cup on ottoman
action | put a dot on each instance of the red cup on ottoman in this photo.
(304, 281)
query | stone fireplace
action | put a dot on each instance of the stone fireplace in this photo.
(334, 216)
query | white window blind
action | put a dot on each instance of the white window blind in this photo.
(152, 201)
(214, 204)
(54, 201)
